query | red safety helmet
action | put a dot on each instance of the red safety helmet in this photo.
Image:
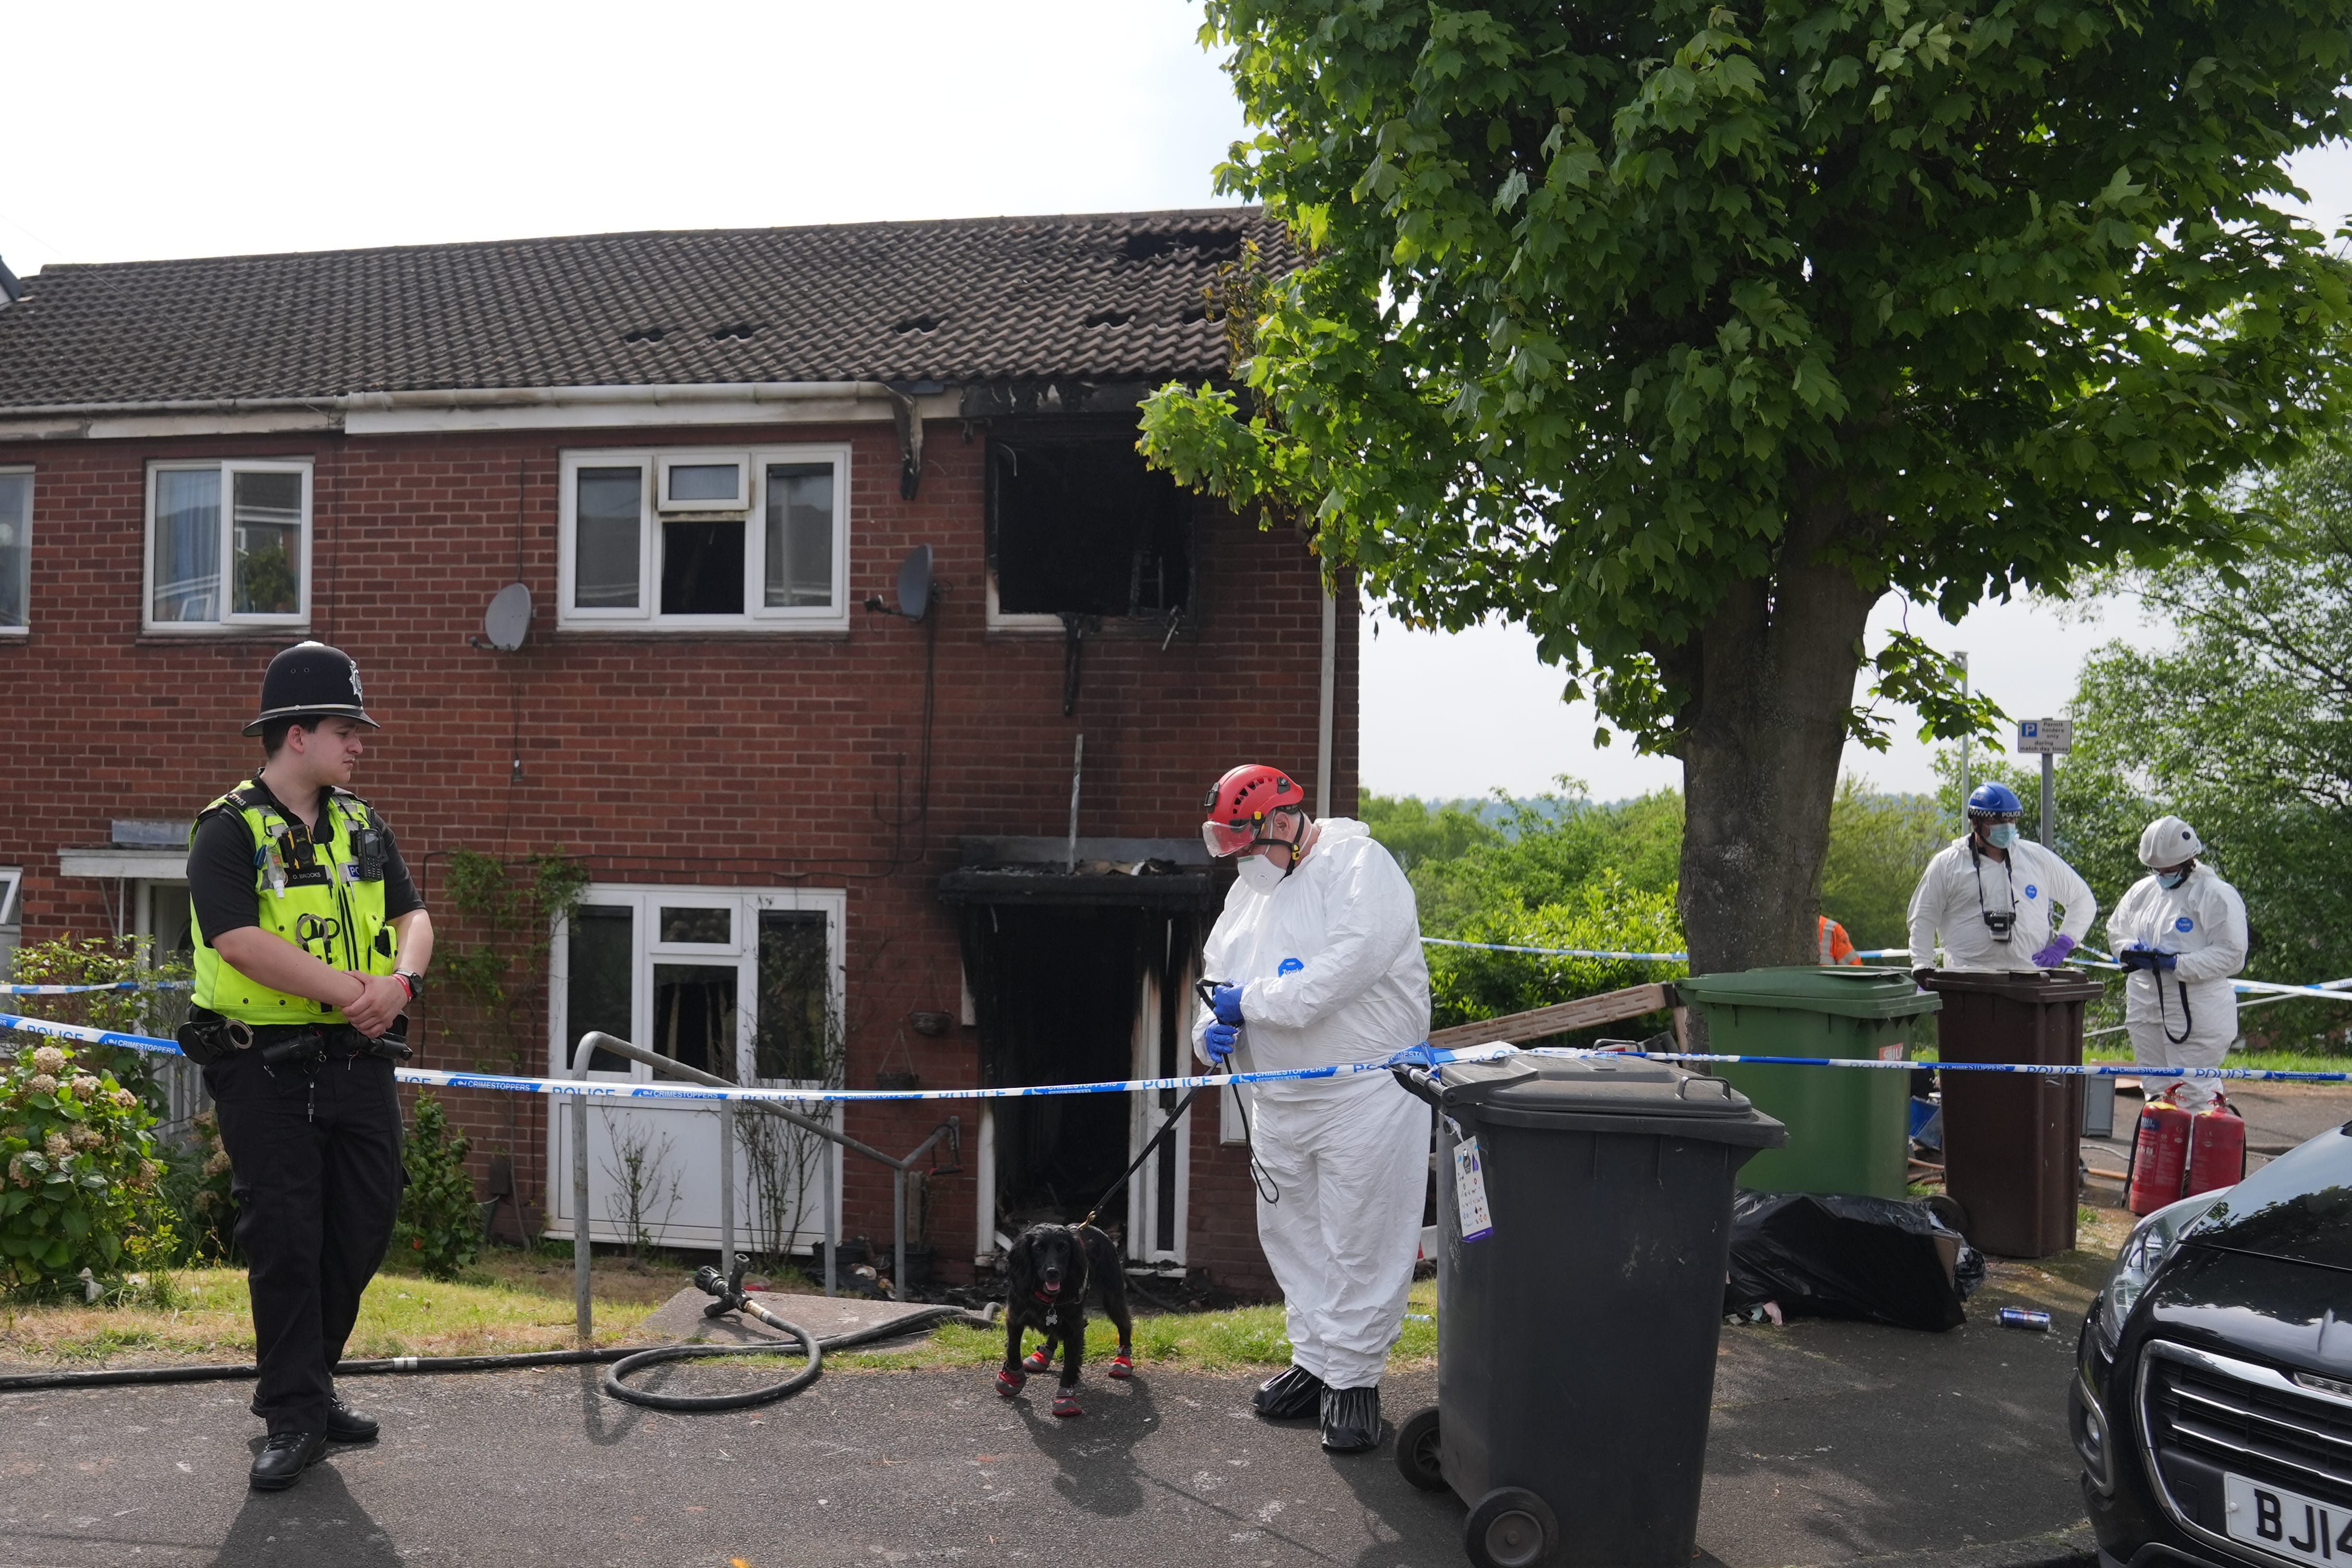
(1241, 805)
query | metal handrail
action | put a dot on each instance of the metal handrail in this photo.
(596, 1040)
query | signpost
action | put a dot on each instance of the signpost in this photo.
(2052, 738)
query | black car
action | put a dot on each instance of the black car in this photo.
(2213, 1404)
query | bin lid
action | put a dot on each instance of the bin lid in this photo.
(1845, 991)
(2021, 985)
(1649, 1097)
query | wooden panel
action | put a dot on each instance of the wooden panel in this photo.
(1584, 1012)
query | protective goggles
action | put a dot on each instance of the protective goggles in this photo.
(1229, 839)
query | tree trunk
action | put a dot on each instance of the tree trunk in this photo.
(1769, 682)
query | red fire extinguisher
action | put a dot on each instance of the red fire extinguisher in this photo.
(2159, 1161)
(2217, 1148)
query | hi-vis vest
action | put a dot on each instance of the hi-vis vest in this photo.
(326, 898)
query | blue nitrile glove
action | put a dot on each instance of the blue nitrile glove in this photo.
(1226, 1004)
(1424, 1055)
(2163, 958)
(2135, 957)
(1220, 1040)
(2053, 955)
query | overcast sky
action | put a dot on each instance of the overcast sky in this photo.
(171, 131)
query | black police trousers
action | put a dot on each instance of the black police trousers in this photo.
(318, 1179)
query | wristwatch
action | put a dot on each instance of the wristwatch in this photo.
(409, 978)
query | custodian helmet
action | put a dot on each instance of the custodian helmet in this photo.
(311, 680)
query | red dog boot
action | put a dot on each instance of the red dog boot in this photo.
(1122, 1366)
(1039, 1359)
(1065, 1403)
(1008, 1383)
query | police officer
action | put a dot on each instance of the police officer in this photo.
(309, 944)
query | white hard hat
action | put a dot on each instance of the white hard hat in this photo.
(2168, 841)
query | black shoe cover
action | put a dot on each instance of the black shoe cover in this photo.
(1288, 1395)
(1351, 1420)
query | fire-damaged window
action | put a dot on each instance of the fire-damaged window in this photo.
(1079, 526)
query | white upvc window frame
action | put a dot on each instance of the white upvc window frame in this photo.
(668, 504)
(646, 950)
(24, 471)
(653, 465)
(227, 621)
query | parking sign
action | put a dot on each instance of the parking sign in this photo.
(2049, 735)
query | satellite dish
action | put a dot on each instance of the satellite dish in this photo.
(913, 583)
(508, 620)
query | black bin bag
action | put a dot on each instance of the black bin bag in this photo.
(1827, 1255)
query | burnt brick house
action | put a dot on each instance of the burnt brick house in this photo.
(820, 836)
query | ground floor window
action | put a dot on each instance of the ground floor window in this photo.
(12, 882)
(746, 985)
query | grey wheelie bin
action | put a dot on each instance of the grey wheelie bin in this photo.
(1586, 1211)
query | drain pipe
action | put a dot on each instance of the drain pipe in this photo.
(596, 1040)
(1323, 722)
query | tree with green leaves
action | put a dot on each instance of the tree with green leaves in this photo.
(1683, 333)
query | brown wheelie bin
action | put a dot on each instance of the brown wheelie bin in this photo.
(2012, 1142)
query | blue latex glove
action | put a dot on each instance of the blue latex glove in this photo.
(2053, 955)
(2135, 957)
(1226, 1004)
(1220, 1038)
(1424, 1055)
(2163, 958)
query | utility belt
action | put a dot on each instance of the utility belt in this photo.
(208, 1037)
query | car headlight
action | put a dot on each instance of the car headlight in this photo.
(2151, 1242)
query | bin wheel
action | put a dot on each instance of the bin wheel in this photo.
(1510, 1528)
(1416, 1450)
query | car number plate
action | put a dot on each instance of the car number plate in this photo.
(2286, 1523)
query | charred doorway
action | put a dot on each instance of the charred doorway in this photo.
(1080, 977)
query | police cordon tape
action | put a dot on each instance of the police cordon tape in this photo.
(2038, 1069)
(608, 1089)
(85, 990)
(2327, 990)
(1422, 1056)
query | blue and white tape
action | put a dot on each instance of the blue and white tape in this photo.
(2054, 1069)
(1557, 952)
(85, 990)
(609, 1089)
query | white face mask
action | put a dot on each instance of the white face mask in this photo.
(1260, 874)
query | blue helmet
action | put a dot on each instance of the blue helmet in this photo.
(1995, 799)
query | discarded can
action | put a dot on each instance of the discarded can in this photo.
(2026, 1318)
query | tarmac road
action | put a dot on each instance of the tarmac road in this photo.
(1831, 1443)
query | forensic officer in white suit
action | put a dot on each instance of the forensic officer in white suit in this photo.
(1987, 897)
(2180, 934)
(1318, 953)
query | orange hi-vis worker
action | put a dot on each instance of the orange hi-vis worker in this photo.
(1837, 948)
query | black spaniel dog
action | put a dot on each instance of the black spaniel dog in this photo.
(1048, 1272)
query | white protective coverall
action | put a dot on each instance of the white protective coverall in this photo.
(1331, 971)
(1946, 905)
(2203, 921)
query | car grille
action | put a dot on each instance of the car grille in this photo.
(2201, 1412)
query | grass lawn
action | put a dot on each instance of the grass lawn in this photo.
(522, 1301)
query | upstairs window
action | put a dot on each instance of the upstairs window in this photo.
(700, 539)
(248, 567)
(1079, 526)
(16, 548)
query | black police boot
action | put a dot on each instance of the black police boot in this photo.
(284, 1457)
(345, 1425)
(1351, 1420)
(1288, 1396)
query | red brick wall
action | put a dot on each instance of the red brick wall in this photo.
(753, 759)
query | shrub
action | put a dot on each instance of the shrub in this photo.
(199, 1184)
(1605, 914)
(440, 1224)
(82, 1188)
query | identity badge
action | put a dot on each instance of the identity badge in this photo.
(1470, 1191)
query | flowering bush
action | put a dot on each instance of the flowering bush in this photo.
(81, 1189)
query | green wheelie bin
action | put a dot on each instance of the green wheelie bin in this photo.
(1849, 1128)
